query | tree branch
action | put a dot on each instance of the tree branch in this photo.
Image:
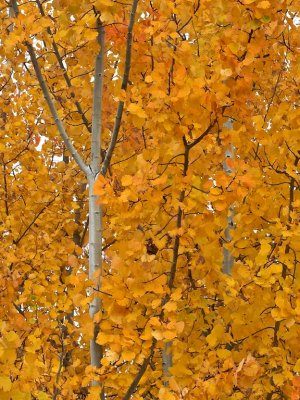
(5, 190)
(132, 388)
(61, 363)
(51, 104)
(202, 136)
(65, 73)
(17, 241)
(166, 352)
(97, 103)
(120, 107)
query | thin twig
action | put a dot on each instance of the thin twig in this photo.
(34, 220)
(202, 136)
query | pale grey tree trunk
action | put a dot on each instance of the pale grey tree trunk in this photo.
(95, 212)
(228, 259)
(167, 362)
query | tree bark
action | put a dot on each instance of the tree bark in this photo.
(228, 259)
(95, 212)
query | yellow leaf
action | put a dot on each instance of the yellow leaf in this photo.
(5, 383)
(265, 249)
(179, 327)
(234, 47)
(156, 334)
(297, 366)
(258, 121)
(170, 306)
(180, 370)
(278, 379)
(176, 295)
(154, 321)
(16, 394)
(165, 394)
(173, 384)
(155, 303)
(45, 22)
(94, 393)
(126, 180)
(103, 3)
(215, 335)
(226, 72)
(169, 335)
(12, 337)
(128, 355)
(220, 205)
(215, 191)
(248, 180)
(73, 261)
(223, 353)
(137, 110)
(107, 16)
(43, 396)
(264, 4)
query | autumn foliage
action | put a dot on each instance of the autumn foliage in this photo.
(205, 77)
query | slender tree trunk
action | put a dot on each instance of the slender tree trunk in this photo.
(95, 239)
(95, 212)
(167, 361)
(228, 259)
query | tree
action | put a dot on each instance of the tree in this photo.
(115, 119)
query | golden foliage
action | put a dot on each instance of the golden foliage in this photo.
(165, 201)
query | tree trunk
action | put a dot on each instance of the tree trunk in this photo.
(228, 259)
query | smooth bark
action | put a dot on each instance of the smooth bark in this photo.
(95, 212)
(228, 259)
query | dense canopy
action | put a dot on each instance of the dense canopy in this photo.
(199, 288)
